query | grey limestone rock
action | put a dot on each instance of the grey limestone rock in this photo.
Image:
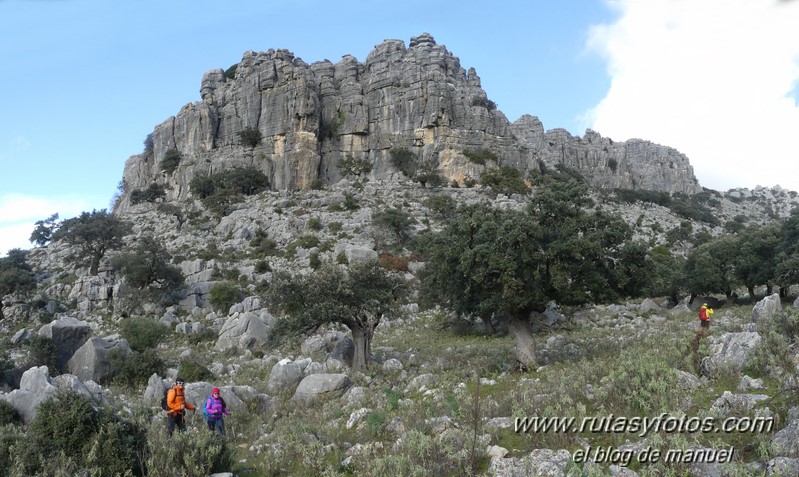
(766, 307)
(68, 334)
(93, 360)
(321, 385)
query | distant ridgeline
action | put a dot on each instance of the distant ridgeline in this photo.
(295, 122)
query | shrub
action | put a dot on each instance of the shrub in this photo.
(134, 369)
(224, 295)
(263, 245)
(93, 234)
(262, 266)
(341, 258)
(315, 223)
(507, 180)
(16, 275)
(148, 144)
(191, 370)
(230, 73)
(484, 102)
(169, 163)
(69, 434)
(480, 156)
(250, 136)
(350, 202)
(148, 265)
(152, 193)
(349, 166)
(8, 414)
(219, 190)
(143, 333)
(442, 206)
(42, 352)
(404, 161)
(314, 261)
(187, 454)
(395, 220)
(394, 263)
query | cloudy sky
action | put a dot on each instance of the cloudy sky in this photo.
(85, 81)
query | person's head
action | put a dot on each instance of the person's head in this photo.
(215, 392)
(180, 382)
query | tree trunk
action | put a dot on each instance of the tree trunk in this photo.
(525, 344)
(751, 290)
(490, 325)
(362, 338)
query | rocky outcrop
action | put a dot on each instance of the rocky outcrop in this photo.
(67, 335)
(417, 97)
(93, 361)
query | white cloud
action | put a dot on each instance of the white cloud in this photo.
(19, 213)
(712, 78)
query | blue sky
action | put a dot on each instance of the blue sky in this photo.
(85, 81)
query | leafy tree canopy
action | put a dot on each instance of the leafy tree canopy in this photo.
(148, 264)
(357, 297)
(93, 234)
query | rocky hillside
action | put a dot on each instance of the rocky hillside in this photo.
(417, 97)
(441, 395)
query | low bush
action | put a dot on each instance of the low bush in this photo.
(224, 295)
(69, 434)
(152, 193)
(134, 369)
(191, 370)
(404, 161)
(8, 414)
(250, 136)
(505, 180)
(218, 191)
(480, 156)
(143, 333)
(169, 163)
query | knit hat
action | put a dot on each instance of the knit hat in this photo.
(215, 391)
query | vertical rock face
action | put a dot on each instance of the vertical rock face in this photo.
(417, 97)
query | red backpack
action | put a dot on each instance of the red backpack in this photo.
(703, 313)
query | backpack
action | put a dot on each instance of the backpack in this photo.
(164, 404)
(703, 314)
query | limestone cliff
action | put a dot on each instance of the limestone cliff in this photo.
(416, 97)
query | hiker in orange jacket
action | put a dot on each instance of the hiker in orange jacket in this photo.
(704, 315)
(176, 400)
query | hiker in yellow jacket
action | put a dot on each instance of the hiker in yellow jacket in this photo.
(176, 400)
(705, 313)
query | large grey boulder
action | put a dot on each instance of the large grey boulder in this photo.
(766, 307)
(357, 254)
(35, 386)
(246, 330)
(321, 385)
(730, 351)
(285, 375)
(68, 334)
(785, 442)
(782, 466)
(93, 360)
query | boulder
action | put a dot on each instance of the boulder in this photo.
(68, 335)
(729, 351)
(284, 377)
(766, 307)
(35, 386)
(321, 386)
(93, 360)
(246, 330)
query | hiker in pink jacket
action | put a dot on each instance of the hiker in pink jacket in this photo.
(216, 409)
